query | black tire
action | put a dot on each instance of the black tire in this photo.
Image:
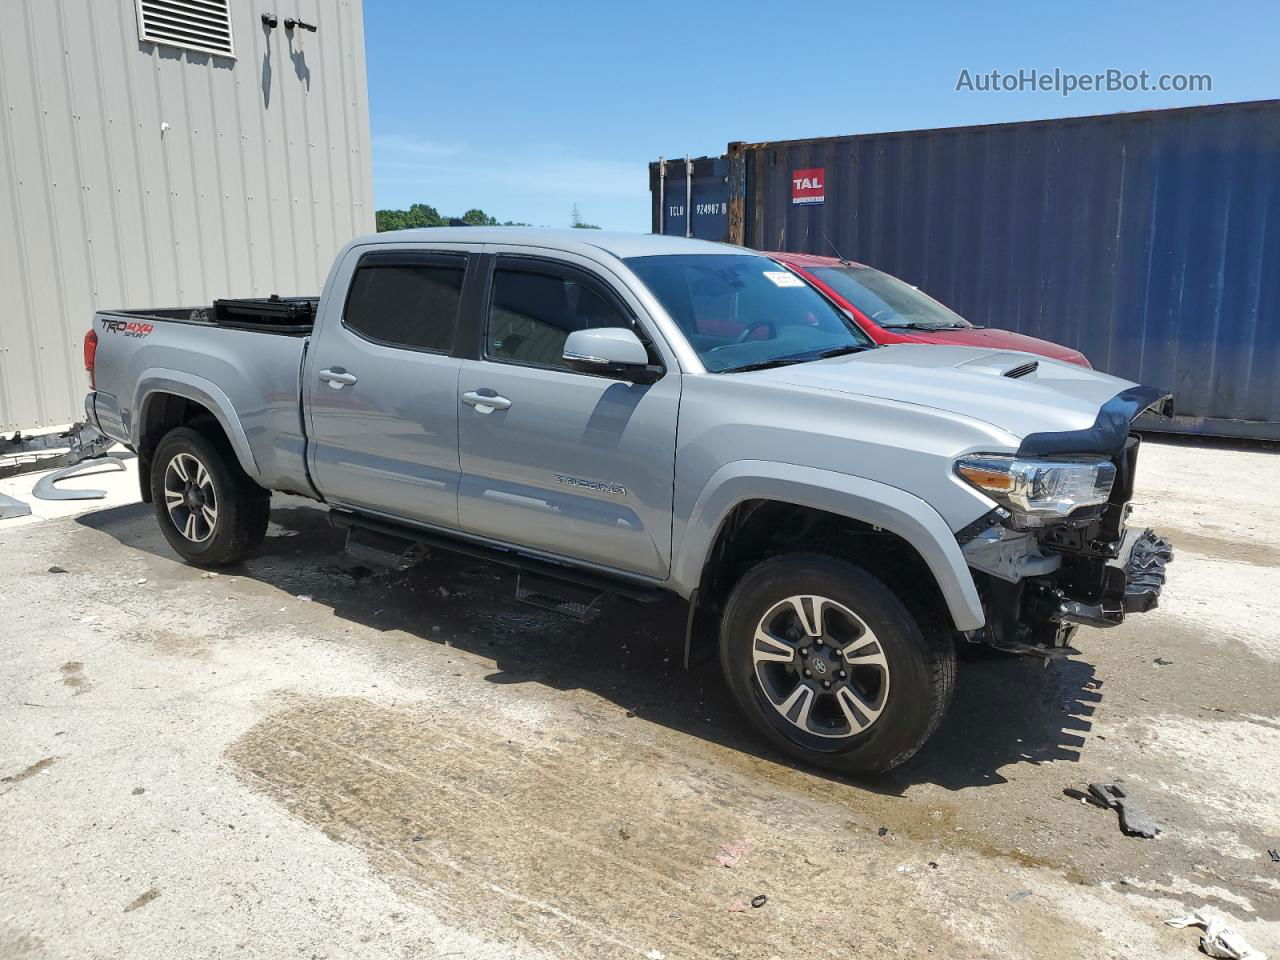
(240, 506)
(919, 665)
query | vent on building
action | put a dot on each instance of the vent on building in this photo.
(194, 24)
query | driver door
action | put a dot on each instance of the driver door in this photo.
(570, 464)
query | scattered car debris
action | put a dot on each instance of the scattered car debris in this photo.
(731, 853)
(882, 831)
(1162, 662)
(1083, 797)
(759, 900)
(57, 569)
(1218, 940)
(46, 489)
(10, 508)
(1134, 821)
(19, 454)
(1275, 855)
(1019, 895)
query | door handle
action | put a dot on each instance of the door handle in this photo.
(485, 402)
(337, 378)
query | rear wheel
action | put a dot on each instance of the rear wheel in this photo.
(831, 667)
(209, 509)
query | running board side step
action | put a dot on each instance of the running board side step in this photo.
(544, 583)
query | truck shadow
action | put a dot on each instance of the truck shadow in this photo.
(1007, 712)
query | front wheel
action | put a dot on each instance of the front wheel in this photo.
(830, 665)
(209, 509)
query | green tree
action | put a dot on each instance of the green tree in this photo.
(424, 215)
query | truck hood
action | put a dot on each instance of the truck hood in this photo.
(1024, 395)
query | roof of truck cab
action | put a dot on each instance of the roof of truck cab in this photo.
(618, 244)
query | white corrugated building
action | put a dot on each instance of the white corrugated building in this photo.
(163, 153)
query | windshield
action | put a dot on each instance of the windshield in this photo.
(742, 311)
(887, 300)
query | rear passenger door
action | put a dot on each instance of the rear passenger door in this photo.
(567, 463)
(382, 384)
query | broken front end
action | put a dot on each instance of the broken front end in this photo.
(1056, 553)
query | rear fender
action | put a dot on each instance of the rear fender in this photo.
(156, 381)
(868, 501)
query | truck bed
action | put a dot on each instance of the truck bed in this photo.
(247, 370)
(286, 316)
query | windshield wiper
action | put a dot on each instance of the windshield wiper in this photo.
(838, 351)
(797, 358)
(917, 325)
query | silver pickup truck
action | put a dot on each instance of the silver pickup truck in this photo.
(659, 418)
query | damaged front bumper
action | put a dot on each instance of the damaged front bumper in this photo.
(1039, 585)
(1134, 579)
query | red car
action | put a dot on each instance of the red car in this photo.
(892, 311)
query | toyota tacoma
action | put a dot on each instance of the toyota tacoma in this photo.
(658, 417)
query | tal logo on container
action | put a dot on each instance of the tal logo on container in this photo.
(808, 186)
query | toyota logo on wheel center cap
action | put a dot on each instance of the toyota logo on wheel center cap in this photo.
(819, 665)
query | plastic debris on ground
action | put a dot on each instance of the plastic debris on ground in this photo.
(1134, 820)
(46, 488)
(1218, 939)
(11, 508)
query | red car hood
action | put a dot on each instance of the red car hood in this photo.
(999, 340)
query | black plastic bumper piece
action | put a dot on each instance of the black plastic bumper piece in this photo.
(1134, 580)
(1144, 572)
(1109, 431)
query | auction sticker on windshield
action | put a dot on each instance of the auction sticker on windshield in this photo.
(781, 278)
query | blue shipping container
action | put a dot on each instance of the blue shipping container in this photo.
(1150, 241)
(689, 197)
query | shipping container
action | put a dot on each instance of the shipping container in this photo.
(688, 197)
(1150, 241)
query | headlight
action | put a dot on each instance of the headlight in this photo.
(1038, 490)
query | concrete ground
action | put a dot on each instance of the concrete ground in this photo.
(301, 757)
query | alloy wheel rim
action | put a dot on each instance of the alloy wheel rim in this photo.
(190, 498)
(820, 666)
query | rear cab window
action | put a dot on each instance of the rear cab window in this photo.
(407, 299)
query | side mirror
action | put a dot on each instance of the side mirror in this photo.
(609, 352)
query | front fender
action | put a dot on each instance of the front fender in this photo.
(156, 381)
(868, 501)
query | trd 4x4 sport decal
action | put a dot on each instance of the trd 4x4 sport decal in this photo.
(130, 328)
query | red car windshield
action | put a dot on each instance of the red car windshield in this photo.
(887, 301)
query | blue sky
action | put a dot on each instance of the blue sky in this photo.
(524, 109)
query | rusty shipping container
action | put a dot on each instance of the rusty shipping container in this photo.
(1150, 241)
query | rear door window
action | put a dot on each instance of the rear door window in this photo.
(407, 300)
